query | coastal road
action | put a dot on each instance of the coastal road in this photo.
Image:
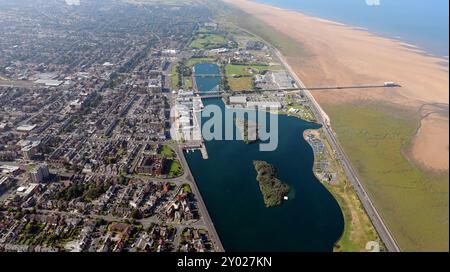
(380, 226)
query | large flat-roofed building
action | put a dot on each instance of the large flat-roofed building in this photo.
(39, 174)
(283, 80)
(25, 128)
(27, 152)
(9, 169)
(275, 80)
(152, 165)
(28, 190)
(238, 99)
(264, 104)
(254, 45)
(169, 52)
(49, 82)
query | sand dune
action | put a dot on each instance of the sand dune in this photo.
(340, 54)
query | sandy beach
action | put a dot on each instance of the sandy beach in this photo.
(342, 55)
(433, 129)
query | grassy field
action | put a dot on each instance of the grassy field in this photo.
(208, 41)
(414, 204)
(174, 77)
(186, 188)
(187, 83)
(248, 70)
(241, 83)
(175, 169)
(284, 43)
(167, 152)
(358, 230)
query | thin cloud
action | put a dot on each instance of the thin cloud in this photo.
(73, 2)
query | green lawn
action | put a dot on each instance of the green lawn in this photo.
(413, 203)
(187, 83)
(358, 229)
(174, 77)
(175, 169)
(248, 70)
(167, 152)
(186, 188)
(209, 41)
(239, 84)
(284, 43)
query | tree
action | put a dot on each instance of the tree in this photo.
(136, 214)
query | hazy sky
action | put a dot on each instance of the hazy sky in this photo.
(73, 2)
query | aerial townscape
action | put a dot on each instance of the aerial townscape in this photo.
(102, 147)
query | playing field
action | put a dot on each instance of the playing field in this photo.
(241, 83)
(208, 41)
(248, 70)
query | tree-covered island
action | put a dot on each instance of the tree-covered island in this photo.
(273, 189)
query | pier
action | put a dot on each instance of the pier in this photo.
(326, 88)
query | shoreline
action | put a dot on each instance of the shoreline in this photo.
(375, 34)
(304, 135)
(408, 44)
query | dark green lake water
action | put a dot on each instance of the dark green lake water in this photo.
(310, 220)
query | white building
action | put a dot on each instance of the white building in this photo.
(238, 100)
(25, 128)
(49, 82)
(264, 104)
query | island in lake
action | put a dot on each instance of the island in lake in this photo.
(273, 189)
